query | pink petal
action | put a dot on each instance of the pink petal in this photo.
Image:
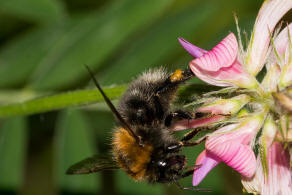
(207, 77)
(240, 132)
(220, 66)
(282, 40)
(233, 75)
(283, 49)
(279, 178)
(192, 49)
(270, 14)
(230, 145)
(207, 162)
(188, 124)
(222, 55)
(239, 136)
(236, 155)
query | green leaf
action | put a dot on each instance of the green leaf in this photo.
(159, 45)
(44, 11)
(74, 142)
(20, 57)
(34, 53)
(13, 144)
(59, 101)
(106, 35)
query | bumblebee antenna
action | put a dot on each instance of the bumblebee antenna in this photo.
(112, 107)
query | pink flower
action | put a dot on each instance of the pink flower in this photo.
(269, 15)
(248, 105)
(230, 145)
(220, 66)
(278, 179)
(273, 174)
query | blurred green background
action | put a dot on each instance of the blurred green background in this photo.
(44, 44)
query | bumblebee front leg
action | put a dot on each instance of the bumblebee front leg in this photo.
(179, 114)
(193, 143)
(190, 135)
(176, 78)
(185, 141)
(189, 171)
(176, 147)
(181, 76)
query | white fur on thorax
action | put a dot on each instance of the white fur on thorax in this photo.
(135, 92)
(154, 75)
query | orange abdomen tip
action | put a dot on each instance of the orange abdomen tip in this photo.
(176, 76)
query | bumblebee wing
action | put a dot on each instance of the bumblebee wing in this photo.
(91, 165)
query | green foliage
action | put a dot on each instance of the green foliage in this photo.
(74, 143)
(13, 142)
(44, 45)
(41, 11)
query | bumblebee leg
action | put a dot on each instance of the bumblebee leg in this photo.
(189, 171)
(179, 114)
(174, 80)
(176, 147)
(181, 76)
(188, 136)
(193, 143)
(191, 134)
(190, 188)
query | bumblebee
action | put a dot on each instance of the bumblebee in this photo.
(143, 143)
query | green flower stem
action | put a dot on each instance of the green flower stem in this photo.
(59, 101)
(80, 97)
(16, 96)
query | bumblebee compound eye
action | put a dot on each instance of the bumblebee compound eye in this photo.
(170, 168)
(161, 163)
